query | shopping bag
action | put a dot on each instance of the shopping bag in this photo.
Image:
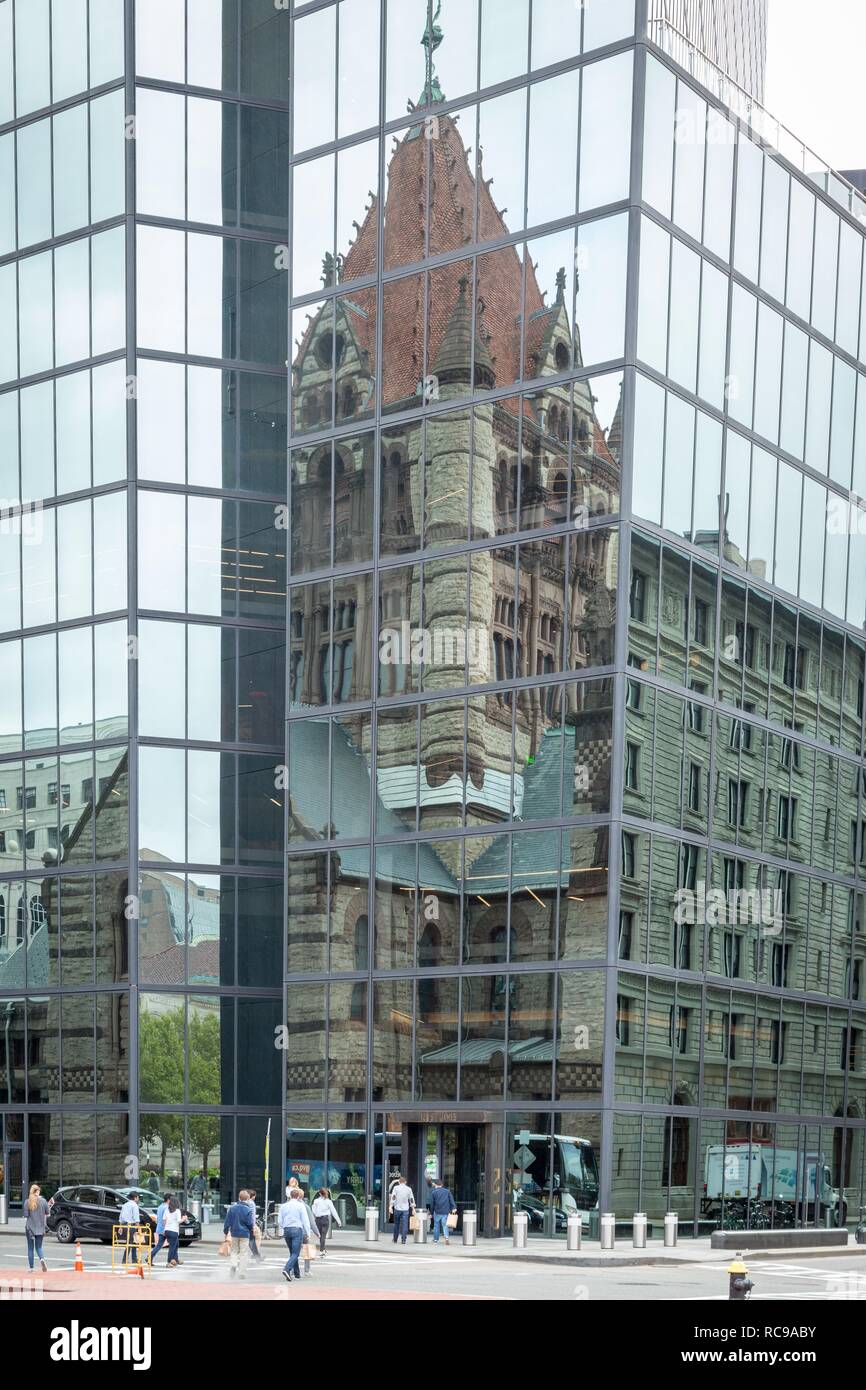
(226, 1246)
(451, 1221)
(308, 1252)
(414, 1221)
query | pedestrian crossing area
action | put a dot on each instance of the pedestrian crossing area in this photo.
(781, 1279)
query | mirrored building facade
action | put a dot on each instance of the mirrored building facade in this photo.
(432, 615)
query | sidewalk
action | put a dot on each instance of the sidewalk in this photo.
(540, 1250)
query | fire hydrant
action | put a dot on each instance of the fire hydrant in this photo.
(739, 1283)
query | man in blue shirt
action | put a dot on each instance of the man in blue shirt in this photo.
(295, 1226)
(441, 1204)
(239, 1225)
(130, 1216)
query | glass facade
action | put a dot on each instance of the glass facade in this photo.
(432, 613)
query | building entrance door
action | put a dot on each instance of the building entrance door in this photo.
(12, 1178)
(456, 1154)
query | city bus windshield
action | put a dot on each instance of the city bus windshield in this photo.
(576, 1173)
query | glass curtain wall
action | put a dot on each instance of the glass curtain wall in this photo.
(64, 685)
(740, 1004)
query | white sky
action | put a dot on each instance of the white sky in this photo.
(815, 82)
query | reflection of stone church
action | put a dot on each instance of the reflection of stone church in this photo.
(72, 929)
(464, 473)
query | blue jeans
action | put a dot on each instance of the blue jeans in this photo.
(161, 1241)
(34, 1243)
(401, 1224)
(440, 1225)
(294, 1238)
(172, 1237)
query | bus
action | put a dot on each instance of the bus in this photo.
(568, 1187)
(344, 1172)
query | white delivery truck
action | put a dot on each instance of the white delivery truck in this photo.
(789, 1179)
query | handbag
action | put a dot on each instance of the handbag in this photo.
(451, 1220)
(226, 1246)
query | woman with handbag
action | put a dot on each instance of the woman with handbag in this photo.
(256, 1233)
(324, 1212)
(307, 1250)
(36, 1211)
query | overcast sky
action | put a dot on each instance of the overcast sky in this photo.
(815, 83)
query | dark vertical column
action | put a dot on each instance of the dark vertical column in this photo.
(132, 582)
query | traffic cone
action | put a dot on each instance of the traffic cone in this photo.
(79, 1261)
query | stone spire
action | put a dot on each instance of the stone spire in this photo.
(453, 363)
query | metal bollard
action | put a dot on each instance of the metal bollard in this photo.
(421, 1227)
(521, 1227)
(371, 1223)
(4, 1211)
(470, 1227)
(195, 1209)
(638, 1230)
(573, 1232)
(672, 1226)
(608, 1230)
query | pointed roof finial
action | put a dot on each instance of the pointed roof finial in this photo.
(431, 40)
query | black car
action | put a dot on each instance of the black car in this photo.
(88, 1213)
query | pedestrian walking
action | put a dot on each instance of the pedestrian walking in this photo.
(173, 1220)
(238, 1226)
(324, 1212)
(295, 1228)
(130, 1216)
(306, 1248)
(160, 1225)
(255, 1234)
(402, 1206)
(34, 1225)
(441, 1204)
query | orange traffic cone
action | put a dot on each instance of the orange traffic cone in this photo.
(79, 1261)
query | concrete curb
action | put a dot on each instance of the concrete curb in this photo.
(686, 1253)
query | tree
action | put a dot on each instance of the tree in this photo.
(204, 1081)
(161, 1075)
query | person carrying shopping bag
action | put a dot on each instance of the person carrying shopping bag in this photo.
(238, 1227)
(324, 1212)
(402, 1205)
(36, 1215)
(307, 1249)
(442, 1205)
(295, 1228)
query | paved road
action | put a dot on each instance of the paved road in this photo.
(383, 1272)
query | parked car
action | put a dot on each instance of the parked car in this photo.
(537, 1211)
(88, 1213)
